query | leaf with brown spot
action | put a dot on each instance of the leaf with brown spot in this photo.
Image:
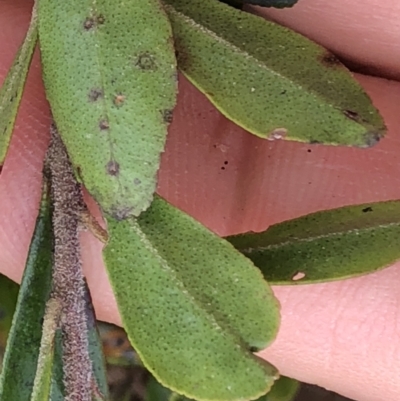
(106, 86)
(263, 76)
(325, 246)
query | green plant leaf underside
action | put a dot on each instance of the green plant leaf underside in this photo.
(268, 79)
(22, 351)
(13, 86)
(324, 246)
(109, 70)
(190, 303)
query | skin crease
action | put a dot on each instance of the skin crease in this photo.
(344, 335)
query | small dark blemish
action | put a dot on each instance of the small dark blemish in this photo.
(119, 99)
(145, 61)
(113, 168)
(353, 115)
(167, 116)
(330, 60)
(283, 92)
(100, 19)
(308, 150)
(367, 209)
(104, 125)
(89, 23)
(222, 168)
(1, 168)
(226, 162)
(136, 181)
(95, 94)
(254, 349)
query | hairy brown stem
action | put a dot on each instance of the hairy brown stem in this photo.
(68, 281)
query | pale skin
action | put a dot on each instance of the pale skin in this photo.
(343, 335)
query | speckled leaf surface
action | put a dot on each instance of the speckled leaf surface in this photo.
(110, 76)
(190, 303)
(13, 86)
(271, 81)
(325, 246)
(21, 355)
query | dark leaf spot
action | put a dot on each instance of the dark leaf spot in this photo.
(145, 61)
(353, 115)
(89, 23)
(103, 125)
(100, 19)
(113, 168)
(119, 100)
(226, 162)
(254, 349)
(136, 181)
(95, 94)
(283, 92)
(367, 209)
(222, 168)
(167, 116)
(309, 150)
(330, 60)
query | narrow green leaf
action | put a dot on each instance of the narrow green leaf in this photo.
(42, 383)
(110, 76)
(57, 385)
(21, 355)
(268, 79)
(96, 349)
(284, 389)
(324, 246)
(190, 303)
(13, 85)
(8, 301)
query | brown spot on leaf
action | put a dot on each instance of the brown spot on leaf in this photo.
(145, 61)
(113, 168)
(95, 94)
(100, 19)
(167, 116)
(352, 115)
(104, 125)
(330, 60)
(367, 209)
(89, 23)
(119, 100)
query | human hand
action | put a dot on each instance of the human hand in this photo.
(341, 335)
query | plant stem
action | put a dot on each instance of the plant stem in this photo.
(68, 280)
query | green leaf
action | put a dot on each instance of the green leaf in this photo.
(8, 301)
(284, 389)
(95, 348)
(157, 392)
(268, 79)
(324, 246)
(13, 85)
(110, 76)
(21, 355)
(190, 303)
(42, 383)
